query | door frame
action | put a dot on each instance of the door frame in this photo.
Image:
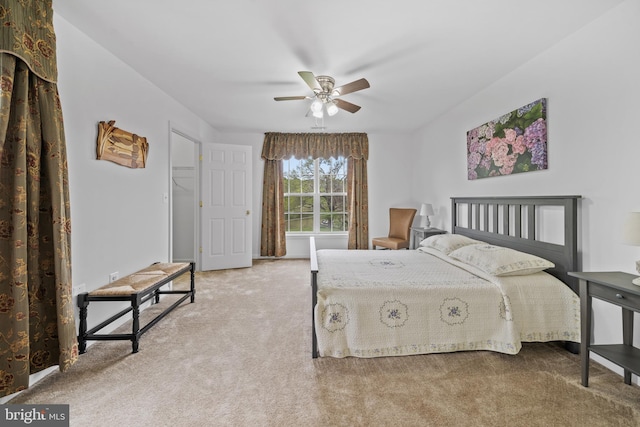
(196, 198)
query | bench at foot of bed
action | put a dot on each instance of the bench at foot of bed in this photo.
(136, 288)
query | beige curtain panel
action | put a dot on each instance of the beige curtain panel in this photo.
(279, 146)
(37, 322)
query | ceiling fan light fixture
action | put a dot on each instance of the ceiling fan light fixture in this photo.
(316, 107)
(332, 108)
(325, 94)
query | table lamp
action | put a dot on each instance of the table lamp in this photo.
(425, 210)
(632, 236)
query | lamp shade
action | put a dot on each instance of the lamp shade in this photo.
(426, 209)
(631, 229)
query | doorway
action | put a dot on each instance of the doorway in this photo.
(184, 187)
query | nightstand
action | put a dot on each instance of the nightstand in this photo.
(616, 288)
(418, 234)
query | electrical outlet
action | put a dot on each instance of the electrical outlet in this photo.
(114, 276)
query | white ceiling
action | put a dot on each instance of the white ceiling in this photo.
(226, 60)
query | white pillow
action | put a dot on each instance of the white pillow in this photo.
(447, 243)
(499, 261)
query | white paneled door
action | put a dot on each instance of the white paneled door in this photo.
(226, 206)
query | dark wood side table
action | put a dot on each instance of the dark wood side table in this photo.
(616, 288)
(418, 234)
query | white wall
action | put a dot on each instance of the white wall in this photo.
(592, 83)
(120, 221)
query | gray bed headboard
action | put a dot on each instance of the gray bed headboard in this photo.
(516, 222)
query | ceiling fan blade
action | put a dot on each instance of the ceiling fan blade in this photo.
(351, 87)
(310, 79)
(289, 98)
(347, 106)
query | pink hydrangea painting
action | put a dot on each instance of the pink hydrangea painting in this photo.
(515, 142)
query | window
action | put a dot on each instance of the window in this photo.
(315, 195)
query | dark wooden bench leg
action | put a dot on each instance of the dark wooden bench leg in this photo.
(135, 332)
(193, 281)
(82, 332)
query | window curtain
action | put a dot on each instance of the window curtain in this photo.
(358, 202)
(37, 322)
(279, 146)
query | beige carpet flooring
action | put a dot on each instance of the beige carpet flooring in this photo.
(240, 356)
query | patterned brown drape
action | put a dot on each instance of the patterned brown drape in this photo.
(279, 146)
(272, 238)
(358, 202)
(37, 323)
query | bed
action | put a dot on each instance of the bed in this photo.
(497, 280)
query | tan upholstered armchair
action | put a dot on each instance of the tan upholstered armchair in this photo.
(400, 220)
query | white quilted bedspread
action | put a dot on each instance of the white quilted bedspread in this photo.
(393, 303)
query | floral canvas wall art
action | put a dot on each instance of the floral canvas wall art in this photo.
(515, 142)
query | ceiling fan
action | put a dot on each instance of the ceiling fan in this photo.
(326, 94)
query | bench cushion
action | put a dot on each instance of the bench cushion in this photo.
(140, 280)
